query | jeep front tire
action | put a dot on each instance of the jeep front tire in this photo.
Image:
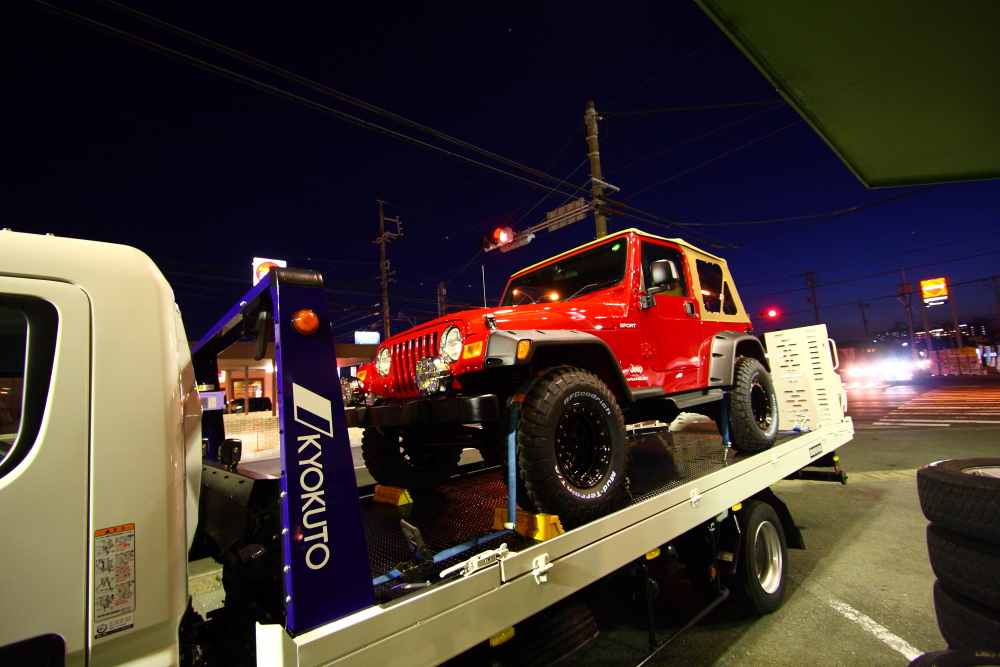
(572, 451)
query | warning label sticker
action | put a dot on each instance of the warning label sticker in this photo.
(114, 579)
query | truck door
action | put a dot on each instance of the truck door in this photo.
(671, 327)
(44, 470)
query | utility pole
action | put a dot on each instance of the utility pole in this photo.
(442, 307)
(906, 291)
(954, 315)
(383, 239)
(811, 281)
(864, 319)
(996, 293)
(596, 179)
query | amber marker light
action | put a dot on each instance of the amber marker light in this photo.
(554, 296)
(305, 322)
(472, 350)
(523, 347)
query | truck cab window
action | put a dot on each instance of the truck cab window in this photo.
(710, 277)
(13, 345)
(652, 252)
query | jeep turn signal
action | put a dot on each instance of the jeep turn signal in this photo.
(472, 350)
(306, 322)
(523, 347)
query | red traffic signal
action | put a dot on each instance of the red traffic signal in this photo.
(771, 312)
(502, 235)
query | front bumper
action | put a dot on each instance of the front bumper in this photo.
(421, 411)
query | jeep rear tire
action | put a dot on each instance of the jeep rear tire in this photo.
(393, 459)
(572, 452)
(753, 408)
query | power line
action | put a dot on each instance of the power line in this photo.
(697, 108)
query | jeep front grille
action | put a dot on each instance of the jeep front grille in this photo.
(405, 355)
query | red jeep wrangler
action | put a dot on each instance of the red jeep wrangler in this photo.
(625, 329)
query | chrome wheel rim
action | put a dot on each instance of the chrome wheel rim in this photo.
(983, 471)
(767, 557)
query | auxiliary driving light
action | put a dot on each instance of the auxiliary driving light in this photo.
(433, 376)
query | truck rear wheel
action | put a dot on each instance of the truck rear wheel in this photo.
(753, 408)
(393, 459)
(762, 571)
(572, 452)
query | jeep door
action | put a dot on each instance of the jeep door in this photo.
(671, 326)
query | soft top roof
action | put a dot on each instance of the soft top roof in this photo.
(624, 232)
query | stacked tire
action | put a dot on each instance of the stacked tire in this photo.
(961, 498)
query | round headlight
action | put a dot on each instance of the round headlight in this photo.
(451, 344)
(383, 363)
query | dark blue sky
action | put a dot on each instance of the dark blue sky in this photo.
(105, 139)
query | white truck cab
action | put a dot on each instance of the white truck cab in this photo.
(100, 443)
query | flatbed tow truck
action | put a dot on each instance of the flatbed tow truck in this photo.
(316, 571)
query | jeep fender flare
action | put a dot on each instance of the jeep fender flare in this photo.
(726, 346)
(557, 347)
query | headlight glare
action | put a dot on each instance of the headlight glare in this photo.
(451, 344)
(383, 363)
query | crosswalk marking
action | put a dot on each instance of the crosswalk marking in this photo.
(947, 406)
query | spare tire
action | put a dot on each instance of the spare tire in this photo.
(957, 658)
(963, 496)
(965, 623)
(968, 567)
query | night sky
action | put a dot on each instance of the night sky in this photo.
(103, 138)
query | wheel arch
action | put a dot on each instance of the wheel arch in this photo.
(726, 347)
(560, 348)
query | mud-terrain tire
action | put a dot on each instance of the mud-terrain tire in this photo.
(753, 408)
(956, 658)
(572, 452)
(968, 567)
(762, 571)
(393, 461)
(964, 623)
(963, 502)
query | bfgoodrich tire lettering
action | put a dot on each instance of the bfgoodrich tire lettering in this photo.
(572, 452)
(753, 408)
(956, 499)
(393, 461)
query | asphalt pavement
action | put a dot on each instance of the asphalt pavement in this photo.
(859, 594)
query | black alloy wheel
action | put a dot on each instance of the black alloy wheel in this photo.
(572, 451)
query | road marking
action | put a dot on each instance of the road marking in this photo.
(880, 632)
(867, 623)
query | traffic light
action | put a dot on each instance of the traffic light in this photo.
(505, 239)
(772, 312)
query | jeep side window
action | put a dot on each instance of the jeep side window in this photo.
(710, 277)
(652, 252)
(728, 302)
(13, 345)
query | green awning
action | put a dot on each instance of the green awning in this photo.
(904, 91)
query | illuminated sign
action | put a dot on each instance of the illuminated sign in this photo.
(367, 338)
(934, 291)
(261, 266)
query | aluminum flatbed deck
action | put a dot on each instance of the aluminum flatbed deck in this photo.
(678, 481)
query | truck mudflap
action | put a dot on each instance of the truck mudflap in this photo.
(460, 410)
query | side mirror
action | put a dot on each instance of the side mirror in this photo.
(663, 272)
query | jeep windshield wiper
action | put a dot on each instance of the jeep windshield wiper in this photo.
(597, 285)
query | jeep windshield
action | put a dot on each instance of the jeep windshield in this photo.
(593, 269)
